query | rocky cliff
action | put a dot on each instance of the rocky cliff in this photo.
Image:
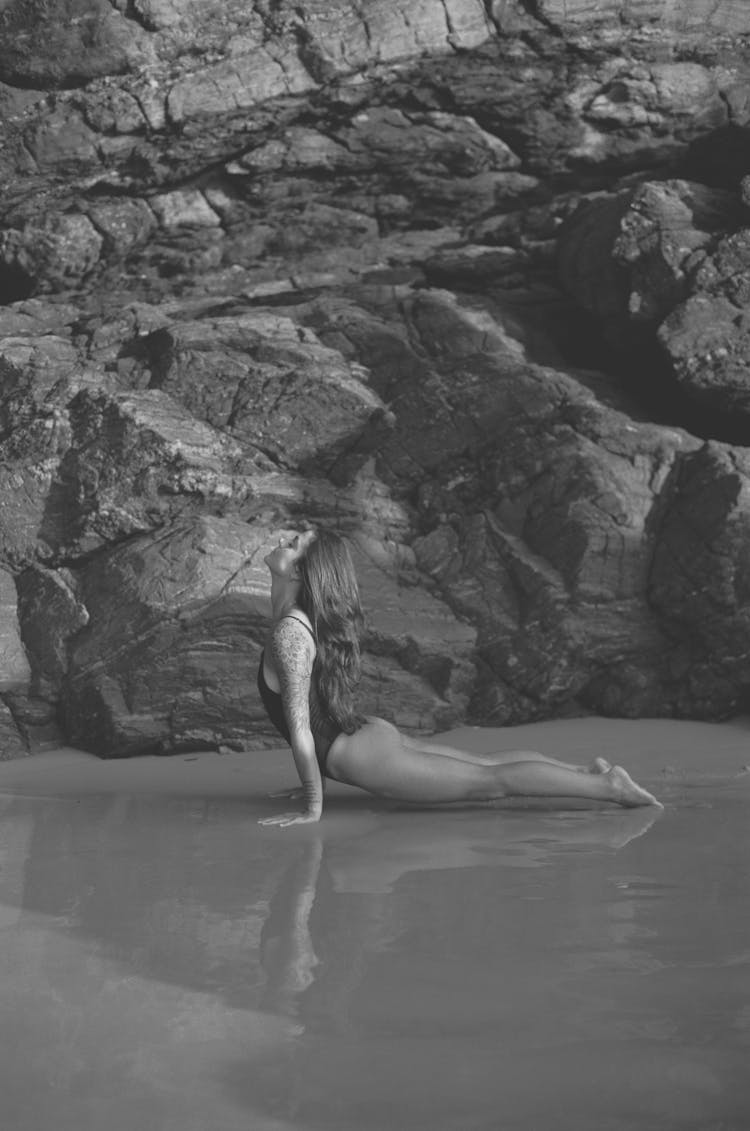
(467, 281)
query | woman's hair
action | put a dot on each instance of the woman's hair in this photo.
(330, 596)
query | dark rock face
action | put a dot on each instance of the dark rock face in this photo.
(465, 281)
(669, 263)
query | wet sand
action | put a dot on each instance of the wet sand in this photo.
(166, 963)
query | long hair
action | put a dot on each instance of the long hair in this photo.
(330, 596)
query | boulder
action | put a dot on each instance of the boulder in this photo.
(629, 258)
(59, 252)
(668, 263)
(267, 383)
(136, 461)
(171, 665)
(534, 500)
(63, 43)
(50, 613)
(548, 555)
(698, 578)
(122, 224)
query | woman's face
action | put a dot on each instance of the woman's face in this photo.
(283, 559)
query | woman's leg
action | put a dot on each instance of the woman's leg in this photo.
(497, 757)
(378, 759)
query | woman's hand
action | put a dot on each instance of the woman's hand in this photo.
(284, 819)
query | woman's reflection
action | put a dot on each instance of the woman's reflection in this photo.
(334, 907)
(286, 947)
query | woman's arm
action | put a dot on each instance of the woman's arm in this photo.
(293, 652)
(287, 953)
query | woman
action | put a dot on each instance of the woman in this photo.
(307, 676)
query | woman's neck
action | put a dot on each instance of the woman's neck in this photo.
(284, 594)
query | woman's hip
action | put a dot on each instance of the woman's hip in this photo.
(351, 753)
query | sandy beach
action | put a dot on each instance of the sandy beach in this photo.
(659, 753)
(167, 963)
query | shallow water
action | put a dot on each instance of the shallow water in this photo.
(166, 964)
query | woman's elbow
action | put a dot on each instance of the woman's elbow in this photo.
(302, 740)
(300, 732)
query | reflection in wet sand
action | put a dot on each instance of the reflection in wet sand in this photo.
(544, 998)
(376, 853)
(165, 964)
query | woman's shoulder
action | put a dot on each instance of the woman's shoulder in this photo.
(300, 617)
(293, 627)
(303, 618)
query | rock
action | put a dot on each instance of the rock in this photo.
(12, 744)
(272, 386)
(63, 43)
(62, 141)
(634, 96)
(184, 209)
(629, 109)
(432, 142)
(35, 721)
(407, 624)
(123, 225)
(445, 366)
(171, 664)
(558, 557)
(706, 336)
(631, 257)
(697, 582)
(109, 110)
(14, 103)
(463, 134)
(36, 318)
(659, 265)
(50, 614)
(472, 266)
(136, 460)
(337, 38)
(57, 253)
(25, 489)
(708, 342)
(14, 664)
(728, 17)
(664, 236)
(546, 548)
(34, 436)
(278, 264)
(238, 84)
(31, 365)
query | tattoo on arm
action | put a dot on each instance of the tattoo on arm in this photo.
(292, 652)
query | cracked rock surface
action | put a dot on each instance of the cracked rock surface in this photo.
(466, 281)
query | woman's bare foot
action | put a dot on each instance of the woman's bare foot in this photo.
(626, 792)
